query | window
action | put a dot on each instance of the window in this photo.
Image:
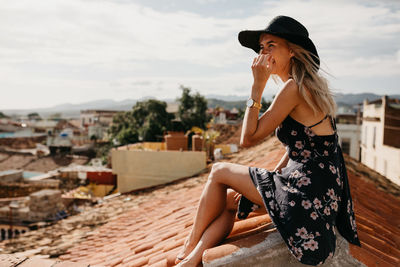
(346, 145)
(374, 138)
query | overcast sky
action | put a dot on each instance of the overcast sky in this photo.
(73, 51)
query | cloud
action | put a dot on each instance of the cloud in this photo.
(398, 56)
(86, 49)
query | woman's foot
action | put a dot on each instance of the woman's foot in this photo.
(187, 248)
(188, 263)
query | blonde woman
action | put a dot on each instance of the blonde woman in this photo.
(307, 195)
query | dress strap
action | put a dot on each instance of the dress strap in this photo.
(326, 116)
(333, 122)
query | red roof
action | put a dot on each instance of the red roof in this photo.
(152, 233)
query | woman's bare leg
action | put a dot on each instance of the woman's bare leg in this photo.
(219, 229)
(213, 199)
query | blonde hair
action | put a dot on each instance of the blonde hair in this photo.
(304, 72)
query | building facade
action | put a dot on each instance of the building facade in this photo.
(380, 137)
(349, 131)
(96, 122)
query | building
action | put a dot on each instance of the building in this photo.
(380, 137)
(349, 131)
(93, 116)
(223, 116)
(97, 121)
(44, 126)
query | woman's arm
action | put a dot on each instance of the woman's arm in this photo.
(255, 129)
(283, 162)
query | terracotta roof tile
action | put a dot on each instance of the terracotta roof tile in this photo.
(162, 263)
(69, 264)
(156, 258)
(153, 230)
(173, 244)
(36, 262)
(141, 261)
(377, 213)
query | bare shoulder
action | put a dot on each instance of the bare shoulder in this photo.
(286, 100)
(290, 91)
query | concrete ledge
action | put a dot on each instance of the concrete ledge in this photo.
(268, 249)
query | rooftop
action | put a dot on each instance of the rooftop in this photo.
(149, 227)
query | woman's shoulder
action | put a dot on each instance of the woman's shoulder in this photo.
(291, 88)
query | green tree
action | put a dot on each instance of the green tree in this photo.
(153, 119)
(2, 115)
(122, 129)
(34, 116)
(241, 113)
(147, 121)
(55, 116)
(265, 105)
(192, 109)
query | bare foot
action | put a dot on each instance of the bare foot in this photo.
(187, 248)
(186, 262)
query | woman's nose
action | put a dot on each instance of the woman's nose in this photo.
(264, 50)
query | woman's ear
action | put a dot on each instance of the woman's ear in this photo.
(291, 53)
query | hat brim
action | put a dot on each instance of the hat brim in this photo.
(250, 39)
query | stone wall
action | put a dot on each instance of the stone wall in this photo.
(44, 204)
(22, 142)
(24, 189)
(11, 176)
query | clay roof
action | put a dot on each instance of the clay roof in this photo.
(151, 231)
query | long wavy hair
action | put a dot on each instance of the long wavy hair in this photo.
(305, 73)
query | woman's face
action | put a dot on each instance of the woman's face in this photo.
(278, 49)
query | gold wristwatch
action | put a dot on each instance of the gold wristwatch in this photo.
(252, 103)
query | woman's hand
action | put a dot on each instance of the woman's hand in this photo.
(237, 198)
(262, 67)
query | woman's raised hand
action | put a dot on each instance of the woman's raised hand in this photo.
(262, 67)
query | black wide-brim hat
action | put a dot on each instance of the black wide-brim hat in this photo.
(285, 27)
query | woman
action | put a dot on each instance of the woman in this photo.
(307, 194)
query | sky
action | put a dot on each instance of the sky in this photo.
(73, 51)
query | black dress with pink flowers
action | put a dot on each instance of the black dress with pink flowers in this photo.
(309, 196)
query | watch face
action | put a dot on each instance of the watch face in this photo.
(250, 102)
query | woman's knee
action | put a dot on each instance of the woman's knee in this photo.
(217, 172)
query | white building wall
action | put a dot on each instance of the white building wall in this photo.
(91, 118)
(351, 132)
(381, 158)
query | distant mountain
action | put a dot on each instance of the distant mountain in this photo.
(213, 103)
(226, 97)
(353, 99)
(235, 97)
(225, 101)
(73, 110)
(347, 100)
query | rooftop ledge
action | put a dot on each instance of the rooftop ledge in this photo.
(267, 248)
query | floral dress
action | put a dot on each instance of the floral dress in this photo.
(309, 196)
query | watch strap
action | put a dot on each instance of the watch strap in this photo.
(255, 104)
